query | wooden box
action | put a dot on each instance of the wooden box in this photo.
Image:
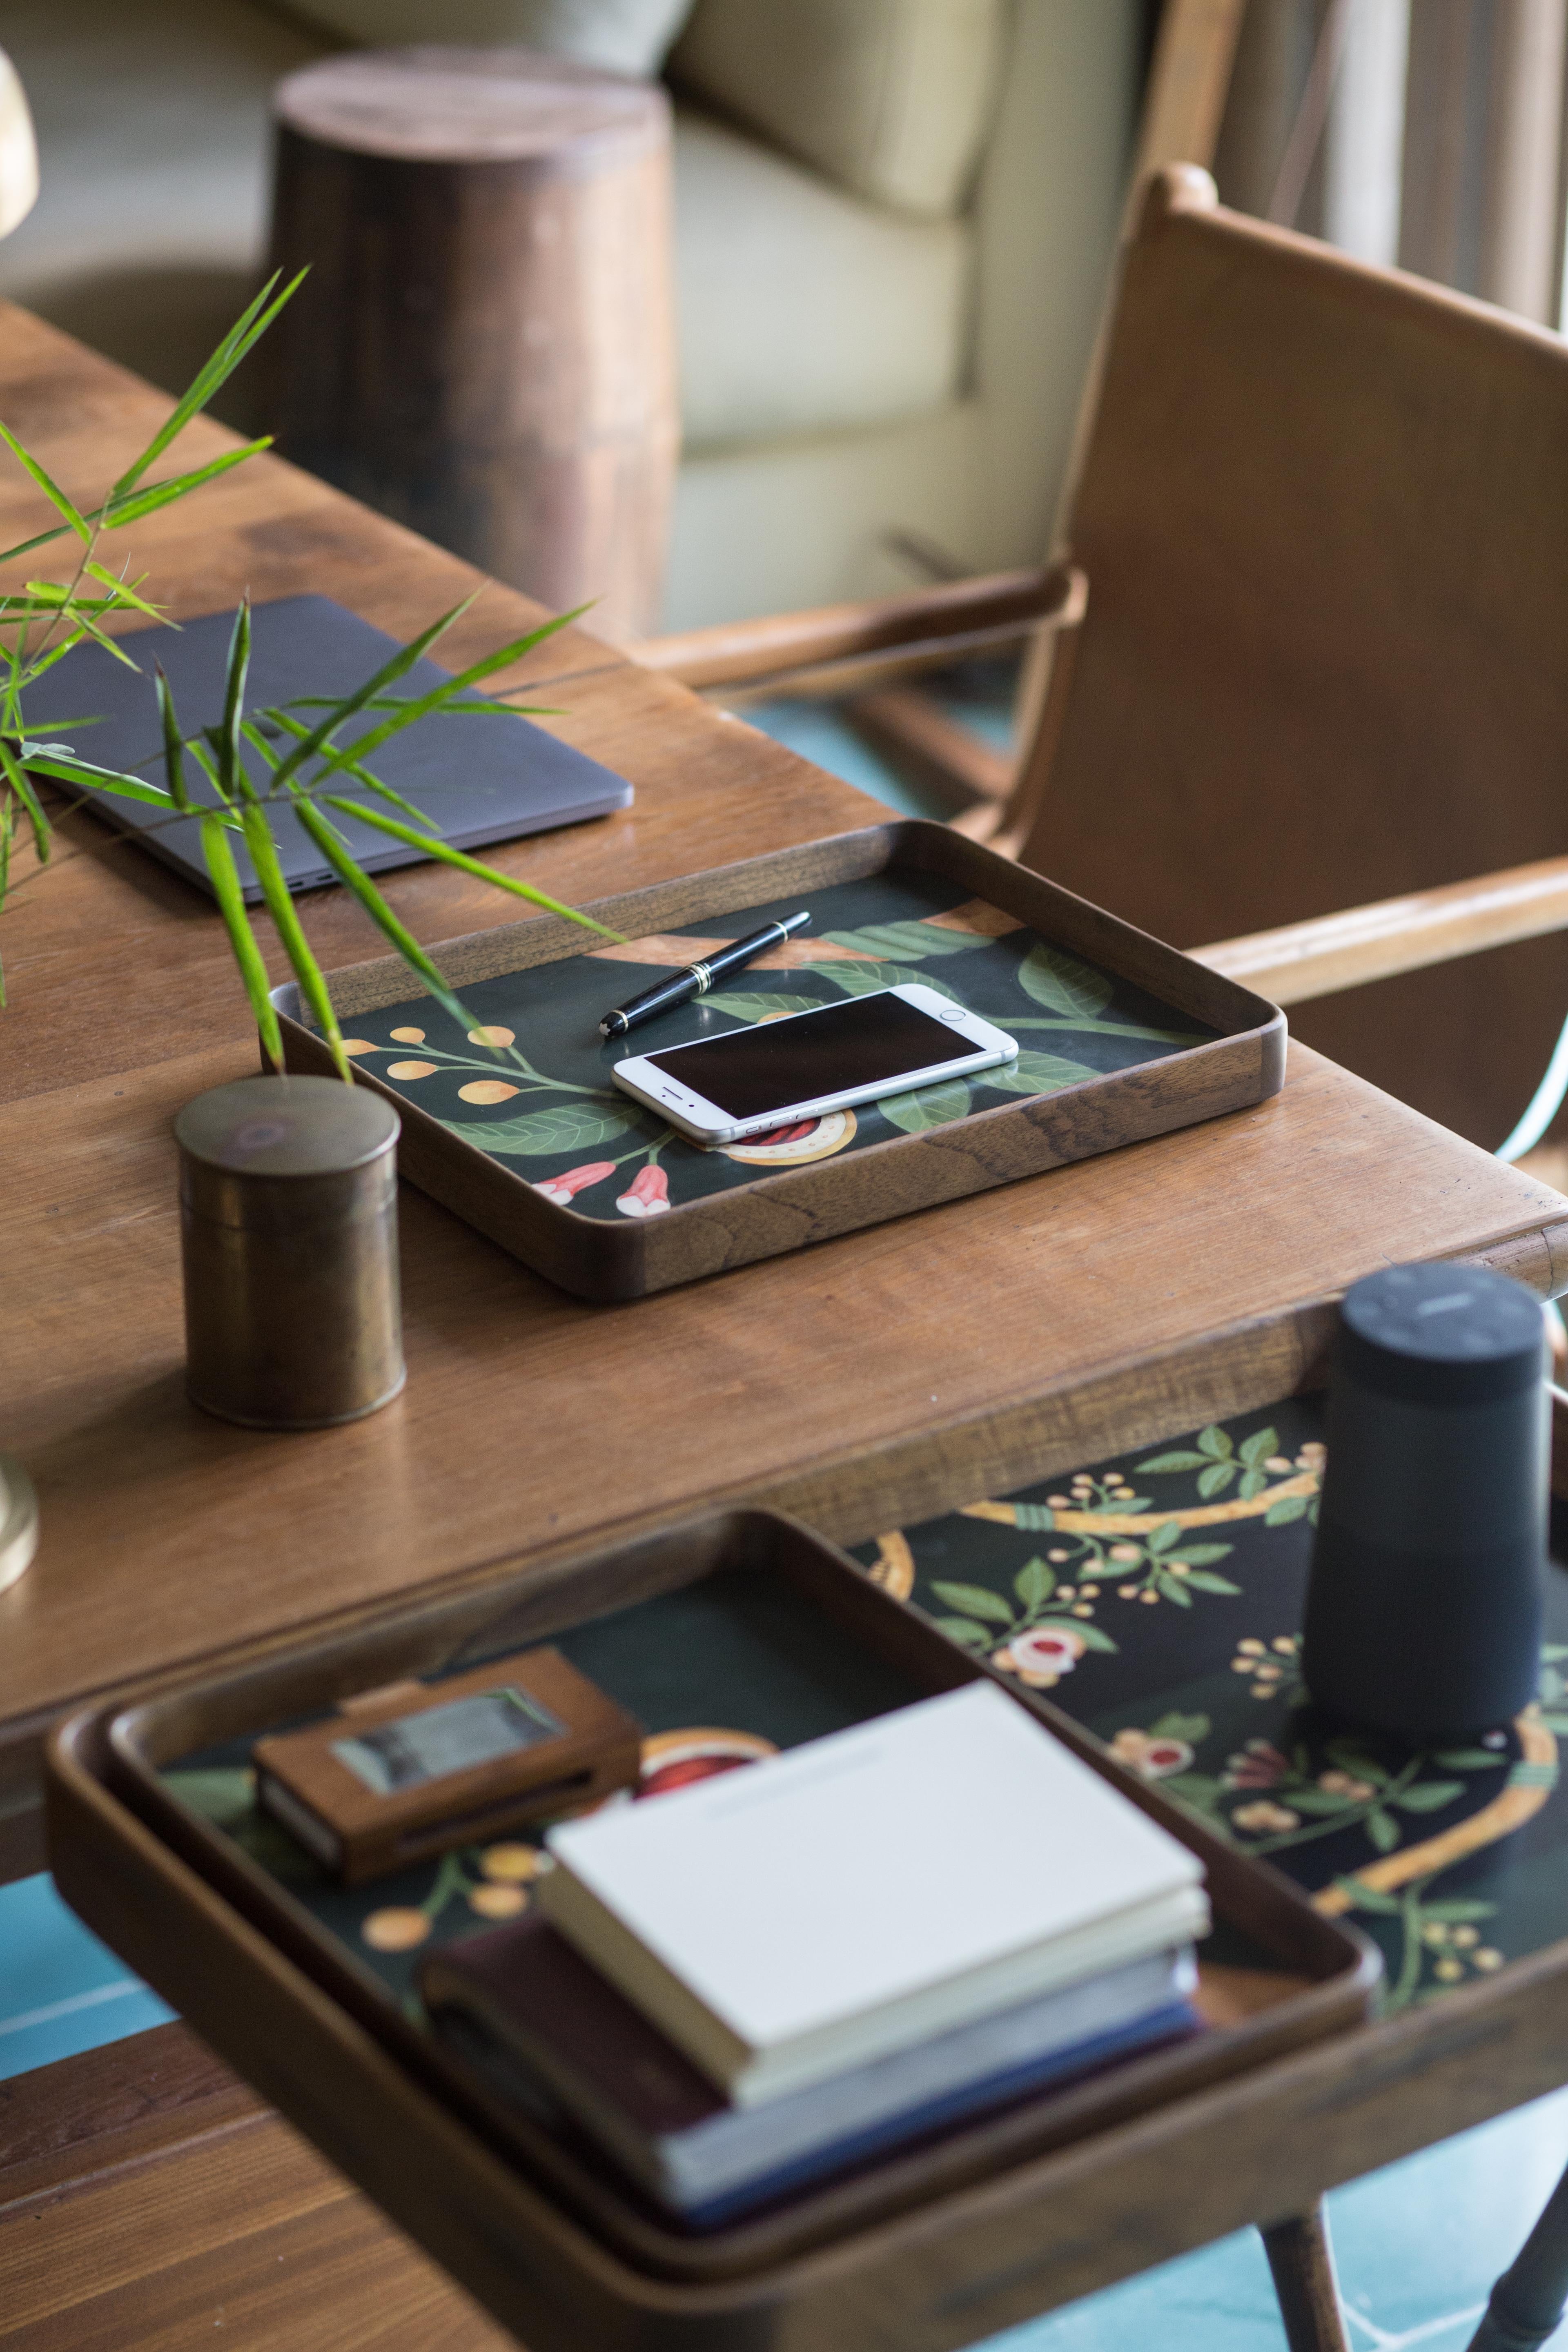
(741, 1626)
(517, 1126)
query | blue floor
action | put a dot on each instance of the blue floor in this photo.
(1418, 2243)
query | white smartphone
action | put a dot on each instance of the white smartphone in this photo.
(751, 1080)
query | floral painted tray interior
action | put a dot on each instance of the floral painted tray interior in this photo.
(530, 1083)
(1159, 1598)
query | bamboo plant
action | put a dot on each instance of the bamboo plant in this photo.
(316, 776)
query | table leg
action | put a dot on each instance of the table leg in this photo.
(1302, 2261)
(1527, 2303)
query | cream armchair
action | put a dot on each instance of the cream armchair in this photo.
(894, 223)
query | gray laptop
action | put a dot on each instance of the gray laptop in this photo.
(479, 777)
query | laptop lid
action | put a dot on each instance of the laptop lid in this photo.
(481, 777)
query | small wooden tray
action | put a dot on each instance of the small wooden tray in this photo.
(518, 1126)
(744, 1621)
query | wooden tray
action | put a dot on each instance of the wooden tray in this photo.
(745, 1622)
(517, 1126)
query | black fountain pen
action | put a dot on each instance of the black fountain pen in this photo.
(699, 978)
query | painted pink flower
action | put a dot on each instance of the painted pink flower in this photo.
(1041, 1656)
(560, 1189)
(1153, 1755)
(1259, 1765)
(648, 1196)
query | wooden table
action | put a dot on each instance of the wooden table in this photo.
(1104, 1304)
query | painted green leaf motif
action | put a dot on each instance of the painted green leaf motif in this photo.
(562, 1127)
(1215, 1479)
(1203, 1580)
(867, 978)
(964, 1630)
(1189, 1728)
(926, 1106)
(906, 942)
(1429, 1796)
(1174, 1589)
(1168, 1533)
(1352, 1758)
(1257, 1448)
(1215, 1443)
(1321, 1801)
(1034, 1583)
(755, 1004)
(1253, 1482)
(221, 1796)
(1456, 1911)
(1034, 1519)
(1062, 984)
(1382, 1830)
(1092, 1637)
(1165, 1465)
(1371, 1898)
(1036, 1074)
(1193, 1789)
(1284, 1513)
(1468, 1760)
(974, 1602)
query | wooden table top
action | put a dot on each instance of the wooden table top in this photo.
(1122, 1297)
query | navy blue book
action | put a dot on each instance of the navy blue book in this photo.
(545, 2031)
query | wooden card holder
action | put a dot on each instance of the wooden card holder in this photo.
(556, 1187)
(931, 2239)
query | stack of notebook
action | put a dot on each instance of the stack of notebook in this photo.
(750, 1984)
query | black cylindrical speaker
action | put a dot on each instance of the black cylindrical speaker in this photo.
(1424, 1607)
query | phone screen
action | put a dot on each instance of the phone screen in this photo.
(856, 1044)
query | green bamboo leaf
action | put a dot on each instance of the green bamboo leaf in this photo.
(1036, 1074)
(974, 1601)
(444, 852)
(1215, 1479)
(1284, 1513)
(58, 760)
(231, 767)
(540, 1134)
(51, 489)
(1382, 1830)
(1214, 1441)
(16, 777)
(251, 324)
(1256, 1450)
(1035, 1584)
(1062, 984)
(962, 1628)
(174, 748)
(355, 879)
(1428, 1796)
(285, 915)
(1165, 1465)
(926, 1106)
(123, 593)
(406, 712)
(242, 939)
(179, 486)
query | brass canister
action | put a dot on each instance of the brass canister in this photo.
(289, 1233)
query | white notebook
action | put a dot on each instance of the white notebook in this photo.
(847, 1899)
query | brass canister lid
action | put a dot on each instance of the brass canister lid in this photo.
(287, 1126)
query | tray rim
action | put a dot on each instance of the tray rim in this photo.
(1312, 2013)
(1242, 1018)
